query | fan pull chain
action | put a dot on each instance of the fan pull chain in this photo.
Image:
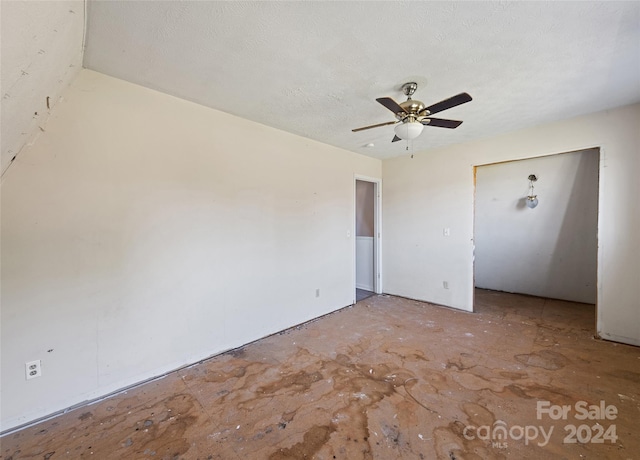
(411, 147)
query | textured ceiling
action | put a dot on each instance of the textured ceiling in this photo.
(315, 68)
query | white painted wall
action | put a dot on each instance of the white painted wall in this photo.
(142, 232)
(549, 251)
(41, 53)
(435, 189)
(364, 263)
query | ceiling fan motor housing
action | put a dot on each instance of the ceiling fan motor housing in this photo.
(413, 108)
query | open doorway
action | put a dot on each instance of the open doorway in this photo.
(530, 252)
(367, 238)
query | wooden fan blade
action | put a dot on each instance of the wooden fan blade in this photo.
(374, 126)
(391, 104)
(441, 123)
(395, 139)
(449, 103)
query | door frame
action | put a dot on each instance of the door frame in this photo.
(377, 232)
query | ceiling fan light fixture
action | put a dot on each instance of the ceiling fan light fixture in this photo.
(409, 130)
(408, 113)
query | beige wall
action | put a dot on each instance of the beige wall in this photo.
(435, 190)
(142, 232)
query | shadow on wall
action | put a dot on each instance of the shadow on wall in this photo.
(581, 214)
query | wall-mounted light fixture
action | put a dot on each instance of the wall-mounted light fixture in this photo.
(532, 200)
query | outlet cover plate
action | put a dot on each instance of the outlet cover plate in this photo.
(33, 369)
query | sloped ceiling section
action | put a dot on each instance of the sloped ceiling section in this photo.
(42, 45)
(315, 68)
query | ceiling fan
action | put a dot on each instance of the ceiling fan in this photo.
(412, 115)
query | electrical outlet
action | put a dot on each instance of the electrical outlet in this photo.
(445, 284)
(446, 231)
(33, 369)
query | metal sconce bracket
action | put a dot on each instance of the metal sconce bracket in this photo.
(532, 200)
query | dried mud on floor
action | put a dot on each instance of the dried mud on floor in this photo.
(389, 378)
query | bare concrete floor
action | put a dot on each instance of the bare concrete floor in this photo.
(389, 378)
